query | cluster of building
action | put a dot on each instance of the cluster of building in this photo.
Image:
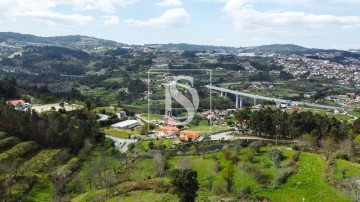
(20, 105)
(215, 114)
(345, 99)
(321, 65)
(170, 129)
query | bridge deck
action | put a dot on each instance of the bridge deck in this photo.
(271, 99)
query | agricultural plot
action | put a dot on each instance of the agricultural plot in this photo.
(46, 159)
(106, 95)
(19, 150)
(7, 143)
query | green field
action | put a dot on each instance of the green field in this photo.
(138, 178)
(122, 133)
(138, 181)
(153, 117)
(103, 94)
(308, 183)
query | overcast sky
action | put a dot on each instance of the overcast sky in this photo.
(310, 23)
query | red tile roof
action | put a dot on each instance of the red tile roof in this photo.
(15, 102)
(168, 129)
(186, 135)
(170, 122)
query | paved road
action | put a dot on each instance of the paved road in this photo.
(268, 98)
(121, 144)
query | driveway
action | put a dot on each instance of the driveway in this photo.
(121, 144)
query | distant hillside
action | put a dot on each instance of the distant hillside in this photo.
(73, 42)
(280, 48)
(190, 47)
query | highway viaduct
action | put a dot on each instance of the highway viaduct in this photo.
(240, 95)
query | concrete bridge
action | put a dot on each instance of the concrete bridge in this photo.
(240, 95)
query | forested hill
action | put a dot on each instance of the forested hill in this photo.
(191, 47)
(73, 42)
(281, 48)
(50, 60)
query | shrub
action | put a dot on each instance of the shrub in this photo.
(250, 157)
(260, 177)
(151, 145)
(283, 175)
(276, 155)
(131, 146)
(218, 166)
(256, 146)
(295, 147)
(227, 154)
(108, 143)
(219, 189)
(342, 155)
(296, 156)
(343, 172)
(244, 193)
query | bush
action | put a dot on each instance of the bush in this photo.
(108, 143)
(296, 156)
(219, 189)
(131, 146)
(218, 167)
(276, 155)
(244, 143)
(295, 147)
(227, 154)
(244, 193)
(343, 172)
(283, 176)
(151, 145)
(342, 155)
(256, 146)
(250, 157)
(260, 177)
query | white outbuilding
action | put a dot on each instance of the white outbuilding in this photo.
(126, 124)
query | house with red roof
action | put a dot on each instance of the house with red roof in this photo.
(19, 104)
(167, 132)
(16, 102)
(189, 136)
(171, 122)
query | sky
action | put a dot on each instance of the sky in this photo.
(237, 23)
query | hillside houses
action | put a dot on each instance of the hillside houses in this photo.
(20, 105)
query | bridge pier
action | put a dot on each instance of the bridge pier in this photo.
(255, 101)
(237, 101)
(223, 94)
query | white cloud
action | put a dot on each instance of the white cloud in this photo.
(53, 18)
(44, 10)
(111, 20)
(108, 6)
(168, 3)
(171, 18)
(346, 1)
(245, 18)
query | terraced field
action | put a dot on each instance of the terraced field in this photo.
(26, 167)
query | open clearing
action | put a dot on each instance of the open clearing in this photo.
(47, 107)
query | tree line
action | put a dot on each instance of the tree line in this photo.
(51, 128)
(273, 123)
